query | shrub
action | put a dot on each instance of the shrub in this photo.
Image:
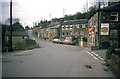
(25, 44)
(109, 52)
(55, 37)
(76, 41)
(29, 41)
(19, 43)
(105, 45)
(115, 64)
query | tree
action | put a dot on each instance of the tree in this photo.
(27, 28)
(14, 20)
(92, 9)
(111, 3)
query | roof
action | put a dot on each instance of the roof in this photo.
(80, 21)
(55, 27)
(50, 25)
(115, 7)
(17, 33)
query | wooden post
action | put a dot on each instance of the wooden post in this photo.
(10, 25)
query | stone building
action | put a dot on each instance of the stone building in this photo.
(21, 35)
(74, 28)
(50, 31)
(104, 28)
(54, 32)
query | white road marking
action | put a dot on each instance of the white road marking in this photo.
(98, 56)
(92, 54)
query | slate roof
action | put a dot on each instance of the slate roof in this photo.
(55, 27)
(17, 33)
(81, 21)
(114, 7)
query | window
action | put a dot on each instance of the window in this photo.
(63, 34)
(63, 27)
(83, 25)
(23, 37)
(67, 33)
(71, 27)
(77, 26)
(66, 27)
(114, 16)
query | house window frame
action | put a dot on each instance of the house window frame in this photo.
(83, 26)
(71, 27)
(23, 37)
(77, 26)
(112, 15)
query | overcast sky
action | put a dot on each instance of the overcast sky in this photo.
(29, 11)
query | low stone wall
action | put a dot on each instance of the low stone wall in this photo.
(25, 47)
(114, 64)
(113, 61)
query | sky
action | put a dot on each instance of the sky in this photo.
(29, 11)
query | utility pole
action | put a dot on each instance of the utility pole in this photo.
(86, 5)
(99, 24)
(10, 26)
(64, 11)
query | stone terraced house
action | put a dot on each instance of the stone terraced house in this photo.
(104, 28)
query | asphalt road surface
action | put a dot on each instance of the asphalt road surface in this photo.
(54, 60)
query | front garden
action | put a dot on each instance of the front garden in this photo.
(25, 44)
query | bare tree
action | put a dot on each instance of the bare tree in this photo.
(84, 9)
(14, 20)
(103, 3)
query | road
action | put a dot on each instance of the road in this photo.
(54, 60)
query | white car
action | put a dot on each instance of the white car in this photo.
(67, 42)
(56, 40)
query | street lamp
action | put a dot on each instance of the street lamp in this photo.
(10, 25)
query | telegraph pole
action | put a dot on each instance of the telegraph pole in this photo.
(86, 5)
(99, 24)
(10, 25)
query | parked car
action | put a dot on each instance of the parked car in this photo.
(56, 40)
(68, 41)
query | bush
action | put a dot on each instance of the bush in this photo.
(115, 64)
(76, 41)
(109, 52)
(29, 41)
(25, 44)
(105, 45)
(19, 43)
(94, 47)
(56, 38)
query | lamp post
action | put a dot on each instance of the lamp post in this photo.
(10, 25)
